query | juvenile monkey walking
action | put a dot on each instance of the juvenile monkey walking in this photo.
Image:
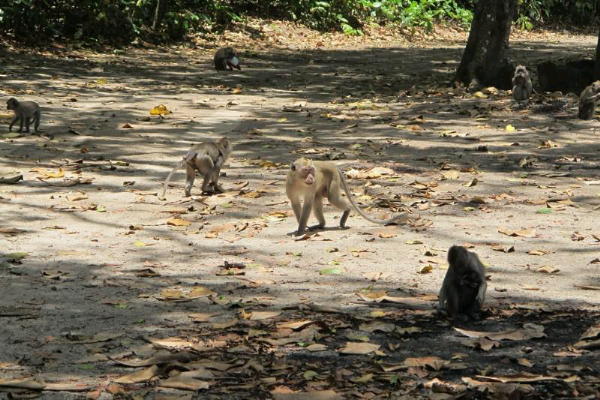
(464, 286)
(308, 182)
(207, 159)
(226, 58)
(25, 112)
(522, 87)
(587, 101)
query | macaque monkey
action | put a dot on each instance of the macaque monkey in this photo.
(226, 58)
(25, 112)
(310, 181)
(587, 100)
(522, 87)
(463, 290)
(207, 159)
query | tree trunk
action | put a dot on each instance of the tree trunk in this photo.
(484, 61)
(597, 65)
(161, 9)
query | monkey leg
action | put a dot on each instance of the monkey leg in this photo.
(318, 210)
(189, 180)
(215, 179)
(452, 302)
(474, 311)
(341, 204)
(586, 112)
(37, 121)
(205, 182)
(205, 166)
(297, 208)
(12, 123)
(27, 123)
(305, 213)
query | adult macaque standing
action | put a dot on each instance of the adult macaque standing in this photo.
(207, 159)
(226, 58)
(587, 100)
(308, 182)
(463, 289)
(25, 112)
(522, 87)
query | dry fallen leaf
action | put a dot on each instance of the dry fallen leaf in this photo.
(359, 348)
(178, 222)
(530, 233)
(432, 362)
(161, 109)
(529, 331)
(138, 376)
(547, 269)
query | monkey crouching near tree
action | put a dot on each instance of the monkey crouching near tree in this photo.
(207, 159)
(522, 87)
(308, 182)
(226, 58)
(25, 112)
(463, 290)
(587, 100)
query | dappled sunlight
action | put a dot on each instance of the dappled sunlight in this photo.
(105, 279)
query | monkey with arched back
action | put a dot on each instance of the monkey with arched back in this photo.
(226, 58)
(206, 158)
(25, 112)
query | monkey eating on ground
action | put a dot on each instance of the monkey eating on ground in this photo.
(587, 100)
(207, 159)
(522, 87)
(463, 290)
(226, 58)
(309, 182)
(25, 112)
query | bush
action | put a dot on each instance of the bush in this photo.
(118, 21)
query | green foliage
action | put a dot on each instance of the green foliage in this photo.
(119, 21)
(537, 12)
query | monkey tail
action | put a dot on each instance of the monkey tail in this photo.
(402, 216)
(177, 166)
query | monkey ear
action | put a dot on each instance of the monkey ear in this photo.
(293, 167)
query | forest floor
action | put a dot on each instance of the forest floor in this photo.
(108, 291)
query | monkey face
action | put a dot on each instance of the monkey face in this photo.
(11, 104)
(305, 171)
(223, 143)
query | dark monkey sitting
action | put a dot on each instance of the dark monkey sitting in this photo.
(463, 290)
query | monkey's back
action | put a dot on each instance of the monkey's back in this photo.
(329, 177)
(220, 58)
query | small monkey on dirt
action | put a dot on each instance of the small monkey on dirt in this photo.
(309, 182)
(25, 112)
(522, 87)
(226, 58)
(463, 290)
(207, 159)
(587, 100)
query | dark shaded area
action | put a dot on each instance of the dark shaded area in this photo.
(571, 77)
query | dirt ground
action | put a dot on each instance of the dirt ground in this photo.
(108, 291)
